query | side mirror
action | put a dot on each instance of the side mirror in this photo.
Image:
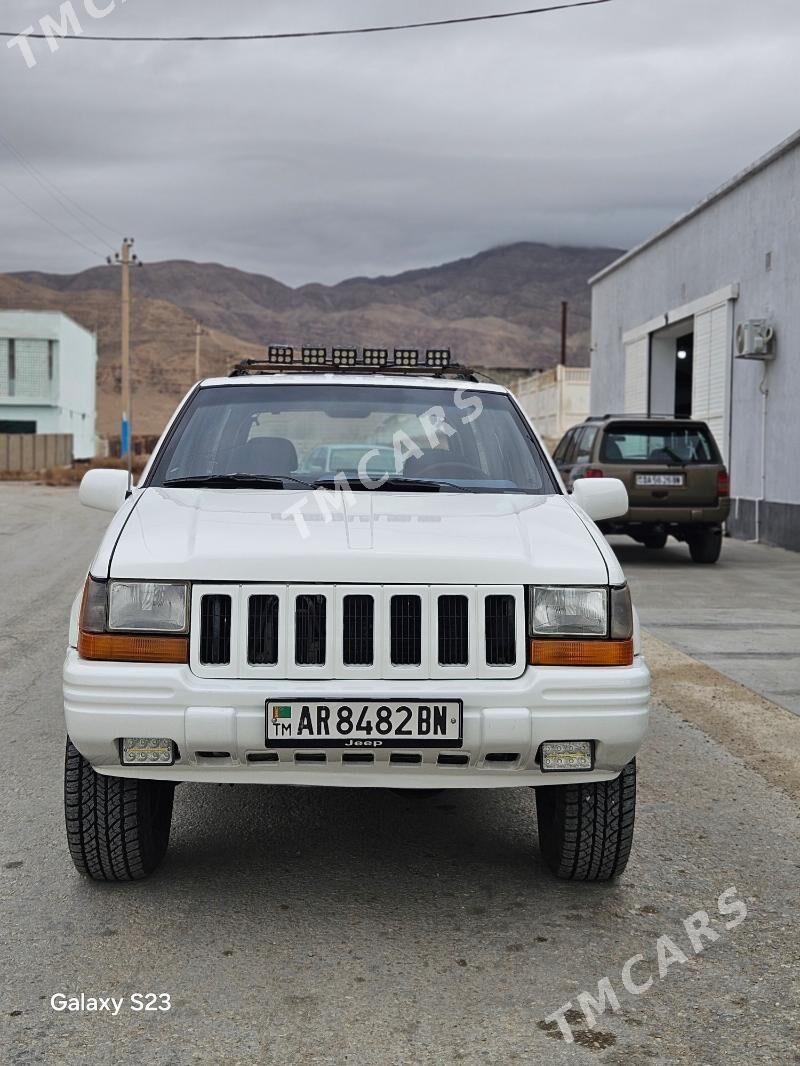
(601, 498)
(105, 490)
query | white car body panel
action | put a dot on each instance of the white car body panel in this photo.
(430, 538)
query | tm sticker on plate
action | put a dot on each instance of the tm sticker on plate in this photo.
(391, 724)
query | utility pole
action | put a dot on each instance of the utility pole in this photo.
(564, 328)
(124, 259)
(198, 333)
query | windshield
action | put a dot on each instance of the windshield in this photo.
(662, 444)
(373, 435)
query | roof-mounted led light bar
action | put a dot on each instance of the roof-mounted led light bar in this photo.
(345, 356)
(406, 357)
(281, 354)
(438, 357)
(375, 356)
(437, 361)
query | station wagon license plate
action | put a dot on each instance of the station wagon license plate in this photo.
(660, 481)
(360, 724)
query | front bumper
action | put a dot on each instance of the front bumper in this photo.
(104, 702)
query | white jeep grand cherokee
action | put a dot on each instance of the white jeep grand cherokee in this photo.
(434, 613)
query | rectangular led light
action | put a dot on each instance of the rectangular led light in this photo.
(315, 356)
(406, 357)
(280, 353)
(438, 357)
(155, 751)
(566, 755)
(344, 356)
(376, 356)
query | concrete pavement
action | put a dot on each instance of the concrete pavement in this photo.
(741, 616)
(325, 927)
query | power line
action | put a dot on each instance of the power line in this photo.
(319, 33)
(58, 194)
(49, 222)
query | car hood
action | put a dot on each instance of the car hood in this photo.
(426, 538)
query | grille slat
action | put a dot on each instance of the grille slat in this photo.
(406, 630)
(358, 631)
(501, 635)
(453, 630)
(215, 630)
(310, 628)
(262, 631)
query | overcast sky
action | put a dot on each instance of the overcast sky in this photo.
(318, 160)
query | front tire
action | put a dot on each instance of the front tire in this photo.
(586, 831)
(117, 827)
(705, 546)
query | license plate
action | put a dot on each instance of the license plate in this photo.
(388, 724)
(670, 481)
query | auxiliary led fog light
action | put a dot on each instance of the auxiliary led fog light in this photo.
(566, 755)
(136, 751)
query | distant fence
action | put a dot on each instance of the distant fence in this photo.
(22, 453)
(556, 399)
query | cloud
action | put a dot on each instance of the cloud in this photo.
(321, 159)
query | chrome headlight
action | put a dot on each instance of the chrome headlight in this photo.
(147, 607)
(556, 611)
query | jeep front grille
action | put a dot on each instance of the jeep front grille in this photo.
(262, 631)
(215, 630)
(501, 637)
(406, 630)
(309, 630)
(357, 631)
(454, 630)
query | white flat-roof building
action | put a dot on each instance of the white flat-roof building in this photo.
(703, 320)
(48, 370)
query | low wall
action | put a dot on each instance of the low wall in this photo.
(28, 452)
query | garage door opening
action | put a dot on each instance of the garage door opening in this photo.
(684, 375)
(672, 370)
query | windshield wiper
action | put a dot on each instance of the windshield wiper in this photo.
(393, 484)
(235, 481)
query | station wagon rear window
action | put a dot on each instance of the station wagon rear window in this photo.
(664, 445)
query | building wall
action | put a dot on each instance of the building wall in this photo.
(68, 405)
(726, 243)
(555, 400)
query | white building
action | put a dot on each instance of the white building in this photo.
(555, 400)
(682, 325)
(48, 369)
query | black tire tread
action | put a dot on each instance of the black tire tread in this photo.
(586, 831)
(117, 828)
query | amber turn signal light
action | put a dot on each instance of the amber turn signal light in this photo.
(581, 652)
(111, 647)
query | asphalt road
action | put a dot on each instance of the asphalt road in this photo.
(316, 926)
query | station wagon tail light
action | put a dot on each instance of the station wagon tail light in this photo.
(580, 626)
(593, 472)
(134, 621)
(723, 484)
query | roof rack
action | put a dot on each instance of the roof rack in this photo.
(316, 360)
(633, 415)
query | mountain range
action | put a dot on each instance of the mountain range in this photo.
(500, 309)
